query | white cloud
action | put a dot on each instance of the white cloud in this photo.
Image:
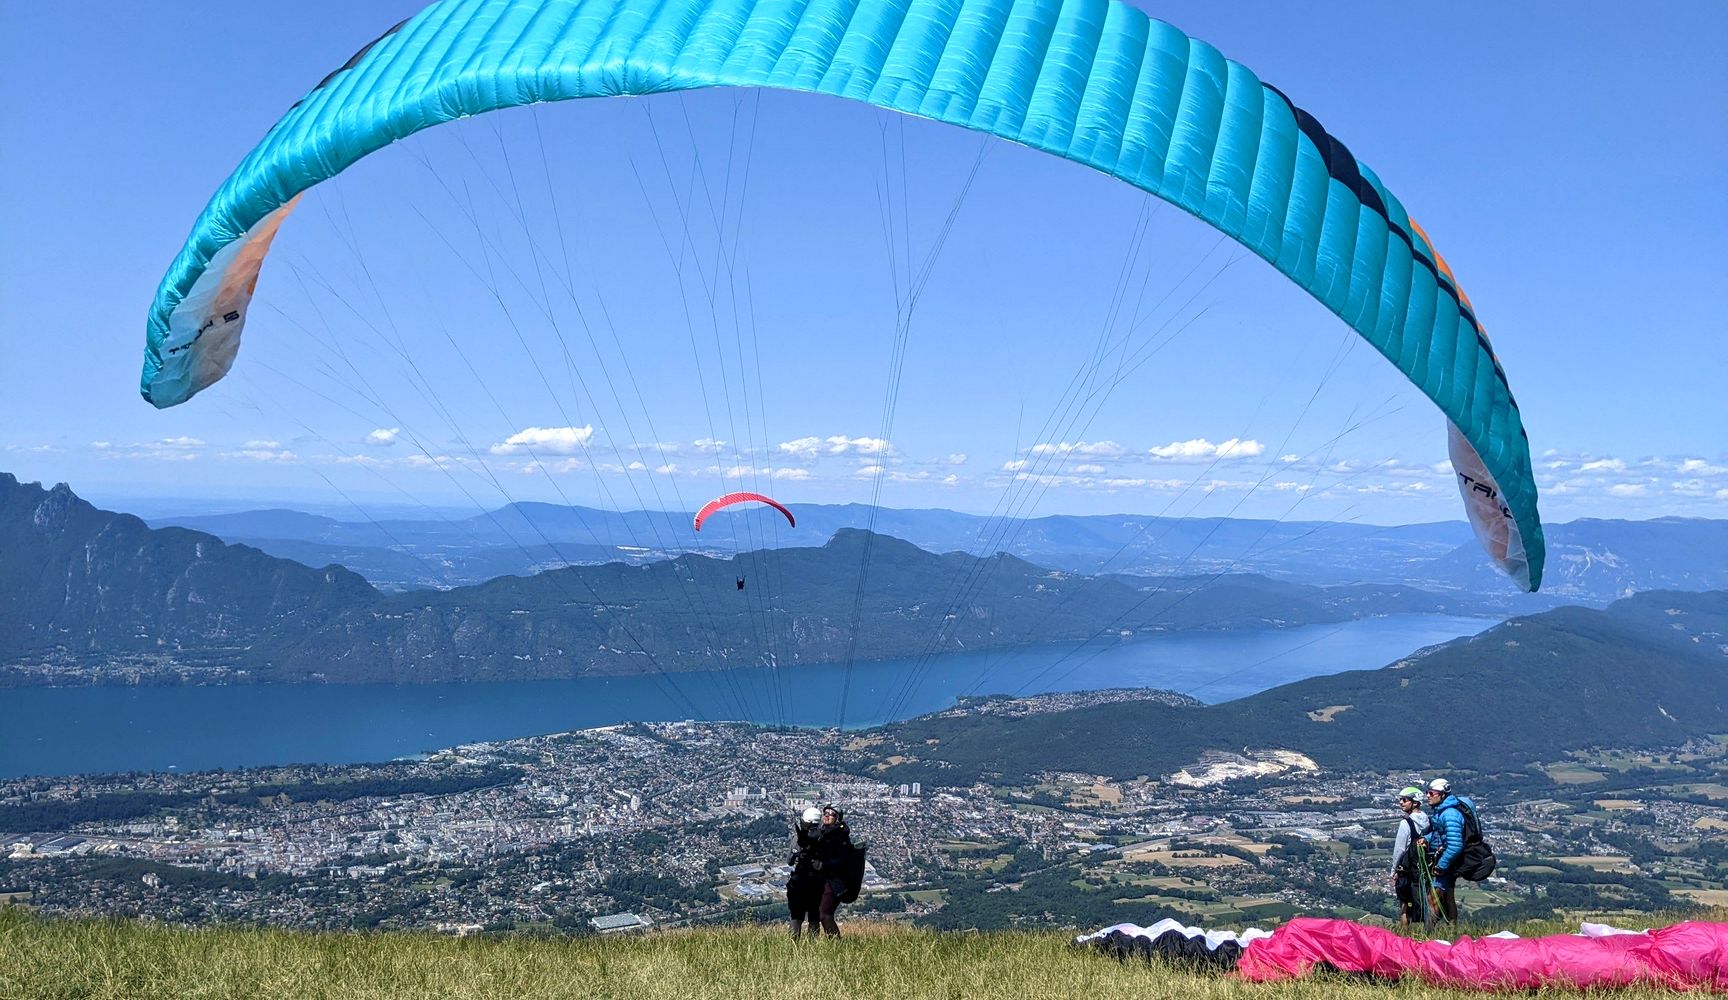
(1603, 465)
(551, 440)
(418, 461)
(1095, 449)
(919, 476)
(1239, 448)
(840, 444)
(958, 458)
(431, 462)
(835, 444)
(1393, 467)
(1044, 479)
(1096, 484)
(806, 447)
(865, 471)
(1196, 448)
(1699, 467)
(174, 449)
(1014, 465)
(1089, 470)
(740, 471)
(264, 451)
(383, 436)
(1628, 490)
(708, 446)
(562, 466)
(669, 469)
(1199, 448)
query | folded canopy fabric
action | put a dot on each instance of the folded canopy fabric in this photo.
(1692, 955)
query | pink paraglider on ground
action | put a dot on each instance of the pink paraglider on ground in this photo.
(1689, 955)
(1686, 956)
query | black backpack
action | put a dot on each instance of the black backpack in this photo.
(852, 873)
(1406, 862)
(1476, 861)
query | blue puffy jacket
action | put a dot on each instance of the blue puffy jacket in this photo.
(1446, 832)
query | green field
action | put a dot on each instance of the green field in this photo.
(43, 958)
(1574, 774)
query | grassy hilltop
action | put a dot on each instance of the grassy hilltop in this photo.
(109, 958)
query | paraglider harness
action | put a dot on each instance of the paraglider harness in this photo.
(1476, 861)
(852, 873)
(1411, 872)
(1407, 863)
(800, 859)
(846, 868)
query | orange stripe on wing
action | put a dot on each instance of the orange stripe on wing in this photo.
(1440, 262)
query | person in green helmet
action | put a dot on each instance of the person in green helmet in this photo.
(1406, 868)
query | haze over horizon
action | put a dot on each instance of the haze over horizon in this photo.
(360, 505)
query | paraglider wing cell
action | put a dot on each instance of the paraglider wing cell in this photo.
(1095, 81)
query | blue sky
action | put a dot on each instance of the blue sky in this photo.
(422, 332)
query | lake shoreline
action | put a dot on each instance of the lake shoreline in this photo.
(113, 728)
(127, 675)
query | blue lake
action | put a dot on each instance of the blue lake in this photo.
(99, 729)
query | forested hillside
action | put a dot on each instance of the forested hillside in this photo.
(1651, 670)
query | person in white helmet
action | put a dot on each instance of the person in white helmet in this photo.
(1450, 817)
(1406, 866)
(804, 887)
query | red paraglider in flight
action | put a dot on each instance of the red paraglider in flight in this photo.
(732, 498)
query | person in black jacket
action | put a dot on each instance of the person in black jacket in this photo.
(832, 848)
(804, 888)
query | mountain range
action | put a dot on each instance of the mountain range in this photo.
(1590, 561)
(87, 589)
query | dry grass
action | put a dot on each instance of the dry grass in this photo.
(106, 958)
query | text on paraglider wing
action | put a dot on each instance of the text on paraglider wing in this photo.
(1478, 486)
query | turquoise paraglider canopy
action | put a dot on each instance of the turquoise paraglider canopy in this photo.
(1095, 81)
